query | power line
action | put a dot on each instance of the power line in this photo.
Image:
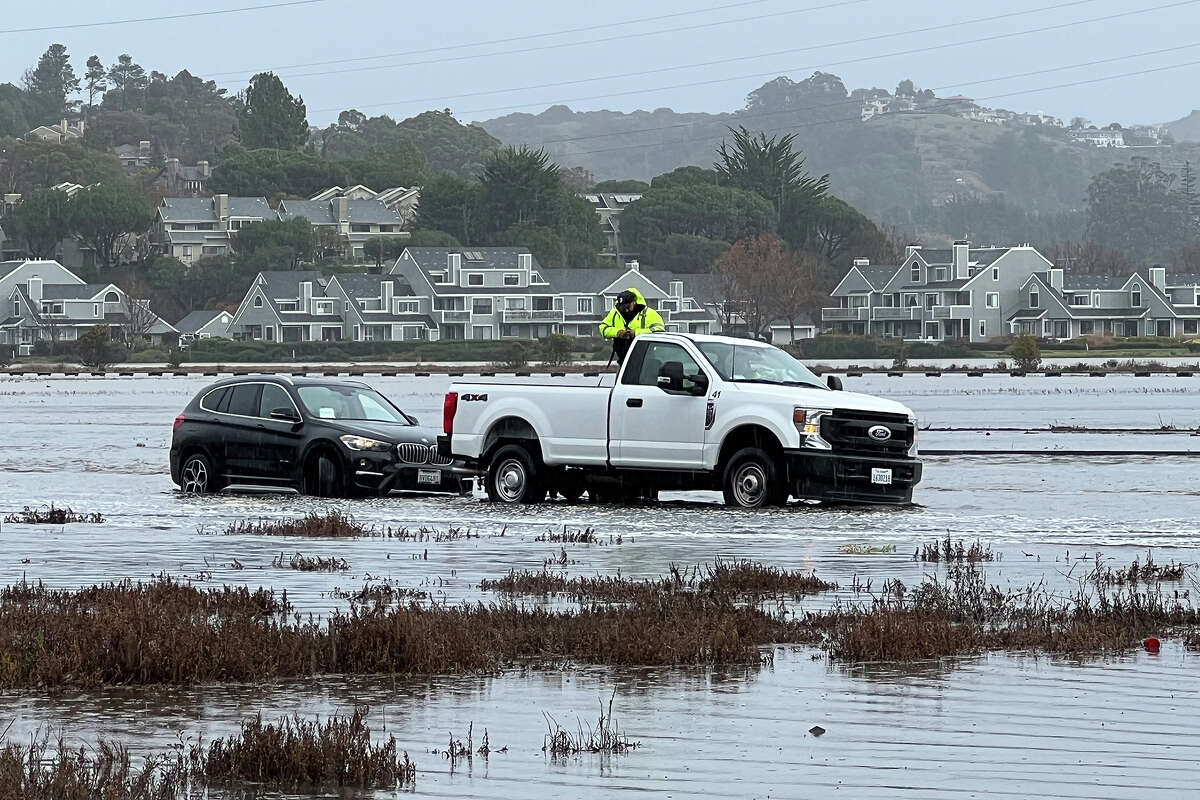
(507, 39)
(815, 123)
(850, 101)
(188, 15)
(844, 62)
(561, 45)
(789, 51)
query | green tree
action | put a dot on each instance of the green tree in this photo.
(402, 164)
(95, 80)
(381, 249)
(444, 143)
(14, 108)
(621, 187)
(518, 185)
(275, 173)
(718, 213)
(294, 238)
(102, 216)
(424, 237)
(94, 348)
(40, 220)
(28, 165)
(681, 252)
(271, 117)
(51, 83)
(774, 171)
(451, 205)
(127, 82)
(685, 176)
(1025, 352)
(543, 242)
(1136, 209)
(838, 233)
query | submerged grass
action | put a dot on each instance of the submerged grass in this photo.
(605, 738)
(295, 754)
(954, 552)
(303, 563)
(1138, 572)
(52, 515)
(325, 525)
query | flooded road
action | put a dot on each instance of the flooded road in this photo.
(1005, 725)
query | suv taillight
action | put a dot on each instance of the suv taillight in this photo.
(178, 421)
(449, 408)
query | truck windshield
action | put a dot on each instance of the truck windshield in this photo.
(349, 402)
(756, 364)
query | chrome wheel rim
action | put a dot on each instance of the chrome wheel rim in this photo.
(510, 480)
(195, 477)
(750, 485)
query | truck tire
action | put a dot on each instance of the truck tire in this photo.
(751, 480)
(197, 475)
(513, 477)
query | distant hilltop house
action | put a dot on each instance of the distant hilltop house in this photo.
(135, 157)
(402, 200)
(181, 180)
(609, 206)
(353, 221)
(190, 228)
(45, 301)
(974, 294)
(61, 133)
(1099, 138)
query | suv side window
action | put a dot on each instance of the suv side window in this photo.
(212, 400)
(659, 353)
(273, 397)
(244, 399)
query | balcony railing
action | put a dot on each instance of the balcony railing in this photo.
(896, 313)
(952, 312)
(456, 316)
(520, 315)
(838, 314)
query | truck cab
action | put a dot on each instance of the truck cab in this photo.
(686, 412)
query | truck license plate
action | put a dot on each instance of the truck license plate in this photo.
(434, 476)
(883, 476)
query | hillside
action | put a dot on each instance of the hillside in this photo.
(1186, 129)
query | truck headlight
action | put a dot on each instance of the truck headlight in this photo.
(912, 450)
(808, 425)
(363, 443)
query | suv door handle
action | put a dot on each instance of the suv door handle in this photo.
(634, 402)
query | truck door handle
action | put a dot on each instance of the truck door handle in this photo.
(634, 402)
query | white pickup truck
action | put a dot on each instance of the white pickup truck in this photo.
(684, 412)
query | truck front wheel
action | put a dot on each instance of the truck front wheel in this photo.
(751, 480)
(513, 477)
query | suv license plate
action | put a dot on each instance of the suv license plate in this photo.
(883, 476)
(434, 476)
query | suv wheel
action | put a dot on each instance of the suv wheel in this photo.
(197, 476)
(750, 480)
(513, 477)
(321, 479)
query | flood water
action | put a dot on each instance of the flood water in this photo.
(1004, 725)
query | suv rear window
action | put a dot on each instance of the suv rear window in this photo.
(244, 399)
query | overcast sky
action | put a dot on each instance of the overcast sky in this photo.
(486, 59)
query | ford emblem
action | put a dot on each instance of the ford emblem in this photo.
(880, 433)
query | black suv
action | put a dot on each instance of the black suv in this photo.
(321, 437)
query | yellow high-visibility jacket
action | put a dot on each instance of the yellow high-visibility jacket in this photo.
(644, 320)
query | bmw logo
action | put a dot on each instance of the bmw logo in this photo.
(880, 433)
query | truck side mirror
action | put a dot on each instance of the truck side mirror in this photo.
(834, 383)
(670, 377)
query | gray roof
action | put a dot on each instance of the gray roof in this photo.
(197, 320)
(980, 256)
(428, 258)
(878, 276)
(72, 291)
(1183, 279)
(1085, 282)
(317, 212)
(1077, 311)
(323, 212)
(1028, 313)
(365, 284)
(286, 283)
(8, 266)
(373, 211)
(582, 281)
(203, 209)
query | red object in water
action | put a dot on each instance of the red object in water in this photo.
(1151, 644)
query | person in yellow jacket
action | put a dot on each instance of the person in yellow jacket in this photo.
(630, 317)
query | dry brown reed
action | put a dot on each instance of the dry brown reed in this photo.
(52, 515)
(303, 563)
(328, 525)
(605, 738)
(1138, 572)
(380, 593)
(297, 753)
(954, 552)
(583, 536)
(42, 770)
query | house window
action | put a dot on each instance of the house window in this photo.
(1189, 325)
(1087, 327)
(1079, 299)
(286, 305)
(360, 228)
(524, 261)
(939, 274)
(1197, 298)
(407, 307)
(481, 331)
(211, 250)
(983, 327)
(585, 305)
(258, 301)
(187, 251)
(1035, 300)
(474, 279)
(1096, 299)
(1135, 297)
(514, 303)
(512, 280)
(995, 273)
(482, 305)
(915, 273)
(992, 299)
(16, 308)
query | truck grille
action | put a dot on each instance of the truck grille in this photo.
(849, 431)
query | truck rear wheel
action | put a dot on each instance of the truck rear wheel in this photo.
(513, 477)
(751, 480)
